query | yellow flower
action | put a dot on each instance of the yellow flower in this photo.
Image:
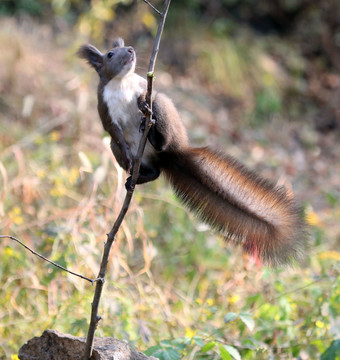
(210, 302)
(199, 301)
(8, 251)
(190, 332)
(234, 299)
(15, 215)
(319, 324)
(331, 254)
(73, 175)
(58, 190)
(15, 357)
(16, 210)
(54, 136)
(206, 312)
(312, 218)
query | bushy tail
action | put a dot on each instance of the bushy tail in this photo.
(248, 210)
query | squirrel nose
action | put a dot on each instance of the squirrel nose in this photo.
(131, 49)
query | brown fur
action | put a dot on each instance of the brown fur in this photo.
(277, 238)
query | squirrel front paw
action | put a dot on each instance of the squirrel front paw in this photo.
(145, 108)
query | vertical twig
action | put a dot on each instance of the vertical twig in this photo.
(112, 234)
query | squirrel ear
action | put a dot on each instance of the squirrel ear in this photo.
(92, 55)
(119, 42)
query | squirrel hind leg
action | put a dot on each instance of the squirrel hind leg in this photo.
(157, 138)
(146, 174)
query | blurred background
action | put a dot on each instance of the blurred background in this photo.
(259, 79)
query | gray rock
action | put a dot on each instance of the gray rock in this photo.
(53, 345)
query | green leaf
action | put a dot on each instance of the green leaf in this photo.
(171, 354)
(208, 347)
(198, 341)
(165, 343)
(180, 343)
(180, 347)
(230, 317)
(168, 354)
(248, 320)
(152, 350)
(224, 353)
(332, 351)
(232, 351)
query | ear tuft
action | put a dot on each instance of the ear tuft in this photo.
(92, 55)
(119, 42)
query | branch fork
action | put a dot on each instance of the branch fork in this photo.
(161, 14)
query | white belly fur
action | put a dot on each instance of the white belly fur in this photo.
(120, 96)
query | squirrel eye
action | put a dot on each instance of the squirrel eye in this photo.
(110, 54)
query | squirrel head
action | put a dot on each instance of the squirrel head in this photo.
(116, 63)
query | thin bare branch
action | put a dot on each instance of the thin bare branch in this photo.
(112, 234)
(158, 39)
(46, 259)
(155, 9)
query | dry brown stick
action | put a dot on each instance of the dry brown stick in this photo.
(46, 259)
(112, 234)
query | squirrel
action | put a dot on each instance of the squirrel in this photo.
(248, 210)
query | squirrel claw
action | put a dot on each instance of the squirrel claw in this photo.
(145, 108)
(128, 184)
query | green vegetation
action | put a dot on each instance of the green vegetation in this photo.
(174, 290)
